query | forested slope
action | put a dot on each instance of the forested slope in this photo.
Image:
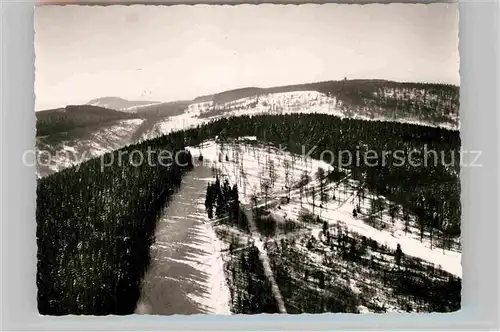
(75, 116)
(95, 227)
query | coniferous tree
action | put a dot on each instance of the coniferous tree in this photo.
(399, 255)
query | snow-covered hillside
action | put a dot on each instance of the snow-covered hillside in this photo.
(68, 151)
(120, 104)
(255, 163)
(134, 109)
(270, 178)
(274, 103)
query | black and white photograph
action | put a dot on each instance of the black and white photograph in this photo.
(248, 159)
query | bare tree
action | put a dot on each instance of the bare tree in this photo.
(313, 194)
(253, 199)
(361, 193)
(406, 218)
(304, 181)
(273, 175)
(286, 165)
(320, 176)
(262, 177)
(266, 189)
(393, 211)
(380, 203)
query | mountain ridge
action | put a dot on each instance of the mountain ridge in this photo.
(329, 86)
(75, 116)
(432, 105)
(320, 86)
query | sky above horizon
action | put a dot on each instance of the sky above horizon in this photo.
(165, 53)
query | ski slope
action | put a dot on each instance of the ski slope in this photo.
(186, 274)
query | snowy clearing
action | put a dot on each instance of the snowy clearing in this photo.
(247, 167)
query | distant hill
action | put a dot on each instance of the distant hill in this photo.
(425, 103)
(345, 89)
(75, 116)
(433, 103)
(162, 110)
(230, 95)
(120, 104)
(148, 109)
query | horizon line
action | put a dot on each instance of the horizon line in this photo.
(258, 87)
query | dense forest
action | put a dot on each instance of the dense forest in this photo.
(95, 226)
(75, 116)
(425, 99)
